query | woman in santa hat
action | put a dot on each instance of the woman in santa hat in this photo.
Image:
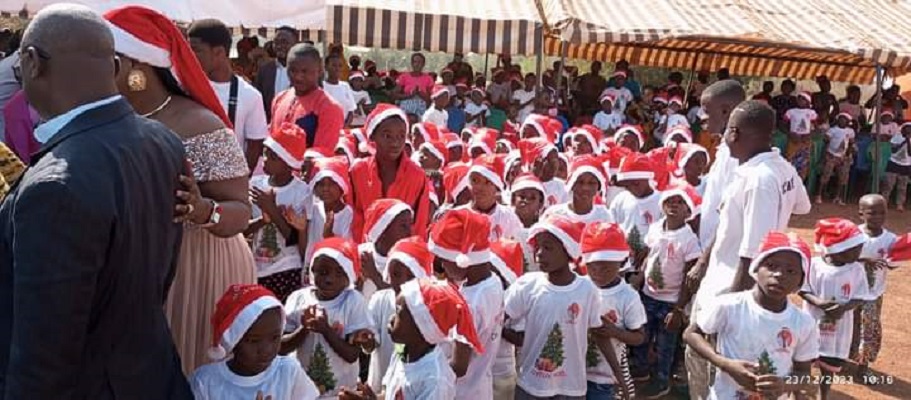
(162, 79)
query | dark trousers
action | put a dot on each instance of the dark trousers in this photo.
(657, 337)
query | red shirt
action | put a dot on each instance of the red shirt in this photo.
(330, 119)
(410, 186)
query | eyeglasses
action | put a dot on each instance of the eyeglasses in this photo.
(17, 69)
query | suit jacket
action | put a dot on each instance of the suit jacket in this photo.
(265, 83)
(87, 253)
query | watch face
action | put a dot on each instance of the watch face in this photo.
(216, 214)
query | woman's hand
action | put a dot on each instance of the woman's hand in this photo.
(191, 206)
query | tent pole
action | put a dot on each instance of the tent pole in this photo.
(539, 61)
(559, 72)
(486, 60)
(689, 82)
(876, 126)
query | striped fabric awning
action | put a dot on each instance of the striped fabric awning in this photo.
(479, 26)
(799, 39)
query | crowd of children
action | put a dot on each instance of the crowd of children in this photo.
(536, 261)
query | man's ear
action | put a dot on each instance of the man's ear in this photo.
(733, 132)
(118, 64)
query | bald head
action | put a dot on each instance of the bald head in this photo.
(69, 28)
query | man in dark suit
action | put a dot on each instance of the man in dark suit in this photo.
(87, 239)
(272, 77)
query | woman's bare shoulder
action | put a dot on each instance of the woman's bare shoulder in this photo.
(188, 118)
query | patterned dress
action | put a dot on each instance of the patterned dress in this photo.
(208, 264)
(10, 169)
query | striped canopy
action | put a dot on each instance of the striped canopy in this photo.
(800, 39)
(478, 26)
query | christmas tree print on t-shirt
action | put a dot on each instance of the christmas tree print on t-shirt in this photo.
(268, 247)
(655, 279)
(634, 238)
(551, 357)
(593, 354)
(320, 370)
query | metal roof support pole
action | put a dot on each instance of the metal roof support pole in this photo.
(876, 126)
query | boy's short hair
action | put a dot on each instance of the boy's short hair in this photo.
(304, 50)
(211, 32)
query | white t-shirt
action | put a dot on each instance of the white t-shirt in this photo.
(622, 98)
(719, 177)
(556, 321)
(430, 377)
(342, 94)
(381, 309)
(669, 252)
(284, 379)
(472, 109)
(670, 121)
(599, 213)
(282, 81)
(555, 192)
(838, 140)
(360, 117)
(316, 216)
(522, 96)
(903, 155)
(764, 193)
(840, 284)
(877, 248)
(605, 121)
(746, 331)
(347, 314)
(801, 120)
(437, 117)
(485, 300)
(249, 115)
(635, 216)
(623, 307)
(890, 129)
(504, 223)
(269, 250)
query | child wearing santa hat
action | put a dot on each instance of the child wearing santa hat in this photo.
(527, 199)
(482, 141)
(476, 110)
(426, 312)
(554, 310)
(327, 321)
(838, 158)
(639, 206)
(875, 256)
(802, 122)
(604, 252)
(409, 259)
(609, 118)
(760, 338)
(485, 180)
(836, 284)
(329, 215)
(387, 222)
(898, 170)
(631, 137)
(431, 156)
(585, 182)
(541, 158)
(437, 114)
(508, 260)
(690, 165)
(673, 248)
(278, 262)
(678, 134)
(586, 140)
(671, 119)
(247, 325)
(460, 241)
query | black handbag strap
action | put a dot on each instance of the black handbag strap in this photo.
(232, 99)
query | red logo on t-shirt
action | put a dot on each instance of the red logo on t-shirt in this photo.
(785, 338)
(846, 290)
(498, 231)
(573, 311)
(612, 316)
(648, 217)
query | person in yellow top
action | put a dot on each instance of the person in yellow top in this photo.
(10, 169)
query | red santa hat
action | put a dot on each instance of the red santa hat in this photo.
(836, 235)
(507, 257)
(629, 130)
(235, 312)
(452, 140)
(675, 100)
(619, 74)
(348, 146)
(533, 149)
(428, 130)
(603, 241)
(413, 253)
(592, 134)
(461, 236)
(382, 112)
(569, 233)
(334, 169)
(439, 90)
(686, 191)
(775, 242)
(546, 127)
(660, 161)
(807, 96)
(678, 131)
(527, 181)
(492, 167)
(608, 97)
(484, 139)
(455, 179)
(586, 164)
(901, 249)
(380, 214)
(506, 144)
(614, 157)
(342, 251)
(847, 116)
(887, 113)
(660, 98)
(437, 148)
(355, 75)
(148, 36)
(636, 166)
(437, 308)
(289, 142)
(685, 152)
